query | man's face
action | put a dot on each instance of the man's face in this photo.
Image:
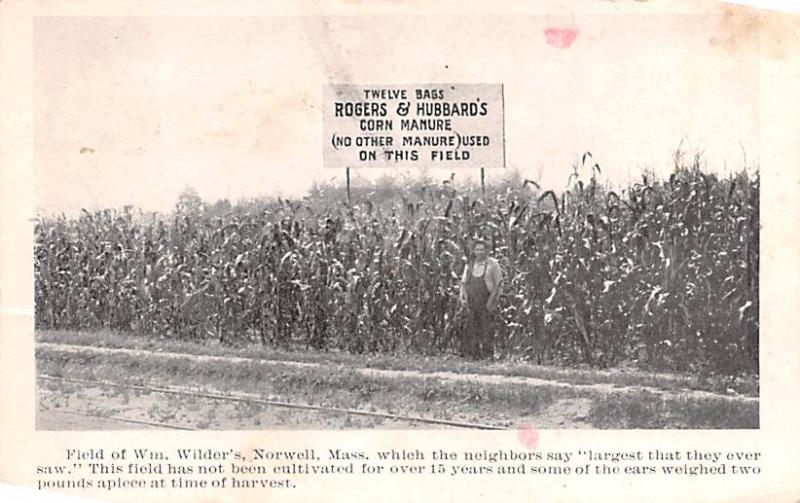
(480, 251)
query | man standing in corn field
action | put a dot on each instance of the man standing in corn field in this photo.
(479, 295)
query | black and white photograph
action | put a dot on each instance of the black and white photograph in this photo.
(397, 222)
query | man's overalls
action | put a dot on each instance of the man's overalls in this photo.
(478, 336)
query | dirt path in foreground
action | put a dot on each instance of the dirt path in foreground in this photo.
(602, 388)
(79, 406)
(65, 420)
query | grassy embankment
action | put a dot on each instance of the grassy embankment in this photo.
(615, 398)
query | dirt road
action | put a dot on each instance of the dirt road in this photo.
(342, 396)
(371, 372)
(71, 406)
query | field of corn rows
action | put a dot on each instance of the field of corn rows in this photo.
(662, 274)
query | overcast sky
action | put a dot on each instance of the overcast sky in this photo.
(132, 110)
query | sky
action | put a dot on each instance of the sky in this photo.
(133, 110)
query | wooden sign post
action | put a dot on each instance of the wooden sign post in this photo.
(348, 186)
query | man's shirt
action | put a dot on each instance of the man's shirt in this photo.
(493, 276)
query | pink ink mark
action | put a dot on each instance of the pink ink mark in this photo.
(561, 38)
(528, 436)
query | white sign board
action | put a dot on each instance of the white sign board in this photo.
(413, 126)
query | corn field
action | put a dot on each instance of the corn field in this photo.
(662, 274)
